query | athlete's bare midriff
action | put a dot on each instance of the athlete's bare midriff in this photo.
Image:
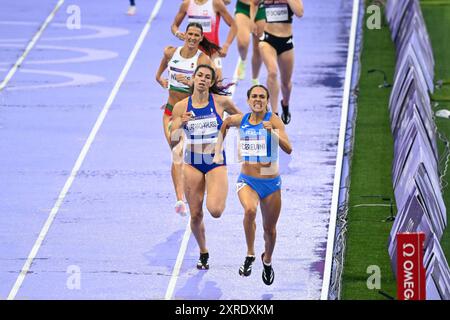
(208, 148)
(279, 29)
(260, 170)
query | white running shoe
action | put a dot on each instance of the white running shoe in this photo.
(131, 10)
(180, 208)
(255, 82)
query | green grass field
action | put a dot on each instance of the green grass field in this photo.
(368, 234)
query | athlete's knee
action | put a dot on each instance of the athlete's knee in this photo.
(272, 74)
(196, 216)
(270, 230)
(243, 43)
(250, 213)
(216, 210)
(287, 83)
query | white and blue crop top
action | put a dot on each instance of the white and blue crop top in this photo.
(255, 142)
(204, 126)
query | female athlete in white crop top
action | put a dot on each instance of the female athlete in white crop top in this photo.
(208, 14)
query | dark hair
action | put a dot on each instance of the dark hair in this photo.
(257, 86)
(207, 46)
(215, 88)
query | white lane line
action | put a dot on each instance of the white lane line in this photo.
(340, 154)
(101, 32)
(179, 262)
(82, 156)
(75, 79)
(187, 232)
(30, 45)
(88, 54)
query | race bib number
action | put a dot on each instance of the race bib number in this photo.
(277, 13)
(204, 21)
(201, 127)
(253, 148)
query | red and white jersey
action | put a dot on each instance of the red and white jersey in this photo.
(206, 16)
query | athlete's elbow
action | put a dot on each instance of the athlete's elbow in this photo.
(174, 29)
(288, 149)
(299, 13)
(226, 124)
(174, 138)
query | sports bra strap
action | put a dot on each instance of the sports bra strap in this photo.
(189, 105)
(245, 118)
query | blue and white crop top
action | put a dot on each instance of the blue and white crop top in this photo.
(255, 142)
(204, 126)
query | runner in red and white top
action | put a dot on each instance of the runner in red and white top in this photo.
(208, 13)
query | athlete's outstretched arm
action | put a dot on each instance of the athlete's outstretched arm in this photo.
(232, 121)
(179, 19)
(222, 10)
(180, 117)
(277, 128)
(168, 53)
(297, 7)
(227, 104)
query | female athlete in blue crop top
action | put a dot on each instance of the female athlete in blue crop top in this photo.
(260, 134)
(199, 117)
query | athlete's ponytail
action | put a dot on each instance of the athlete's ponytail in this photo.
(208, 47)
